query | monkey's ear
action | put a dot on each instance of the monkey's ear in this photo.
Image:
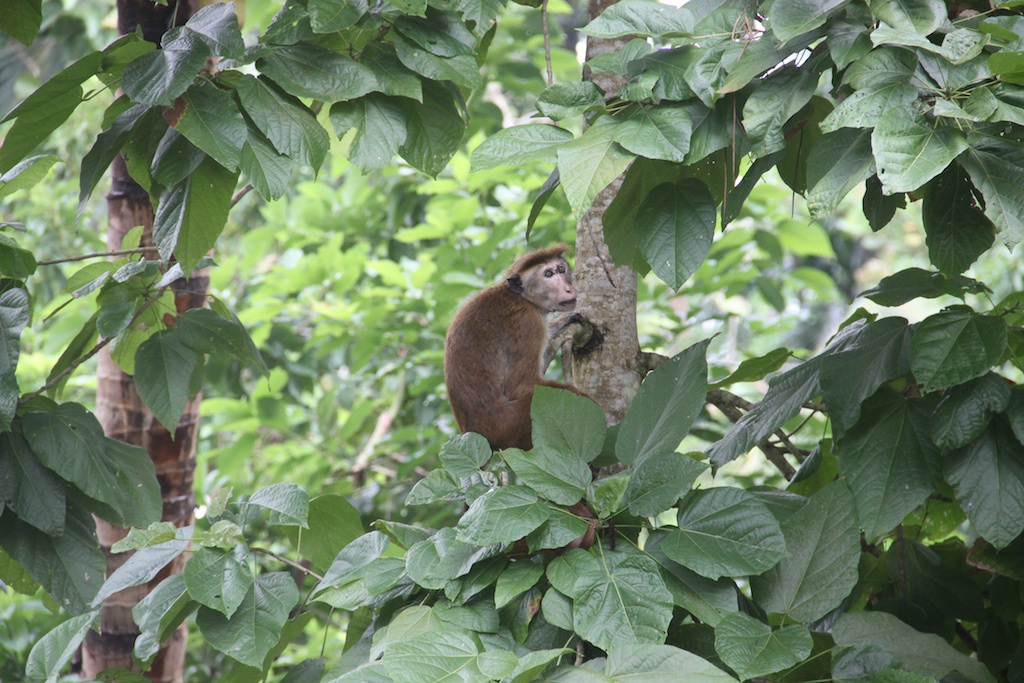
(515, 284)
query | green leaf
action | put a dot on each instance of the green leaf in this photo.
(163, 376)
(255, 627)
(327, 16)
(909, 152)
(655, 662)
(917, 652)
(435, 128)
(158, 614)
(663, 410)
(70, 566)
(435, 561)
(393, 78)
(267, 170)
(675, 227)
(755, 369)
(54, 650)
(955, 346)
(889, 460)
(661, 132)
(217, 26)
(996, 167)
(206, 331)
(659, 481)
(107, 146)
(437, 485)
(434, 656)
(725, 531)
(192, 213)
(287, 502)
(465, 454)
(519, 145)
(354, 565)
(69, 440)
(920, 16)
(837, 163)
(460, 69)
(318, 73)
(14, 314)
(821, 568)
(502, 515)
(159, 77)
(909, 284)
(22, 20)
(618, 597)
(559, 476)
(589, 164)
(790, 19)
(562, 528)
(516, 579)
(563, 100)
(35, 493)
(642, 18)
(382, 126)
(967, 409)
(144, 565)
(567, 422)
(957, 231)
(211, 121)
(778, 98)
(705, 599)
(26, 174)
(752, 649)
(988, 478)
(219, 579)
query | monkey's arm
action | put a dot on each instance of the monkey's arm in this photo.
(569, 327)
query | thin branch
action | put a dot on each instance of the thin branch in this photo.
(241, 193)
(99, 254)
(547, 41)
(290, 563)
(730, 404)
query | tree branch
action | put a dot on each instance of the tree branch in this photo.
(99, 254)
(730, 404)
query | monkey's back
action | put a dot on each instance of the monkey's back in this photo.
(491, 364)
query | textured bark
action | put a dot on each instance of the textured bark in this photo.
(124, 416)
(610, 366)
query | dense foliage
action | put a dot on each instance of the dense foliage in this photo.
(892, 551)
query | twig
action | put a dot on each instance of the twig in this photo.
(99, 254)
(241, 193)
(547, 41)
(380, 430)
(730, 405)
(290, 563)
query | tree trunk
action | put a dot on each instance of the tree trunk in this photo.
(609, 367)
(124, 417)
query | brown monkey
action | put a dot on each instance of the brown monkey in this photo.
(492, 354)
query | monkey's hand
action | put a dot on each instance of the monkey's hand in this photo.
(572, 326)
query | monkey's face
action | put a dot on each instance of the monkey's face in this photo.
(548, 286)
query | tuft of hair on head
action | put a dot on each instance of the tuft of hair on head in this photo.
(534, 258)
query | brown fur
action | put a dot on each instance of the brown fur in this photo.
(493, 351)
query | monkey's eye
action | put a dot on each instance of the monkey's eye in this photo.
(561, 269)
(548, 273)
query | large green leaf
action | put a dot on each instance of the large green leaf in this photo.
(54, 650)
(289, 125)
(790, 19)
(287, 502)
(217, 26)
(966, 410)
(917, 652)
(268, 171)
(35, 493)
(21, 20)
(157, 78)
(14, 314)
(144, 565)
(752, 649)
(837, 163)
(920, 16)
(909, 284)
(567, 422)
(255, 627)
(675, 224)
(434, 656)
(988, 478)
(25, 175)
(563, 100)
(69, 440)
(465, 454)
(821, 569)
(211, 121)
(955, 346)
(107, 146)
(163, 376)
(461, 69)
(393, 78)
(381, 122)
(725, 531)
(442, 557)
(520, 145)
(435, 128)
(559, 476)
(319, 73)
(158, 613)
(668, 402)
(659, 481)
(705, 599)
(333, 524)
(655, 663)
(777, 99)
(618, 597)
(661, 132)
(219, 579)
(909, 151)
(502, 515)
(641, 18)
(956, 229)
(889, 460)
(326, 16)
(352, 564)
(996, 166)
(589, 164)
(206, 331)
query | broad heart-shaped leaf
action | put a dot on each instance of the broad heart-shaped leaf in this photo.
(157, 78)
(54, 650)
(778, 98)
(206, 331)
(821, 568)
(909, 151)
(996, 167)
(192, 213)
(435, 561)
(35, 493)
(255, 627)
(752, 649)
(889, 460)
(874, 354)
(316, 72)
(920, 16)
(675, 224)
(917, 652)
(705, 599)
(144, 565)
(163, 376)
(465, 454)
(121, 478)
(791, 19)
(966, 410)
(618, 597)
(354, 564)
(289, 125)
(662, 411)
(725, 531)
(562, 100)
(217, 26)
(636, 17)
(219, 579)
(14, 312)
(381, 125)
(836, 164)
(589, 164)
(662, 663)
(287, 502)
(957, 232)
(434, 656)
(955, 346)
(661, 132)
(863, 108)
(567, 422)
(435, 128)
(211, 121)
(502, 515)
(519, 145)
(659, 481)
(559, 476)
(988, 478)
(70, 566)
(912, 283)
(333, 524)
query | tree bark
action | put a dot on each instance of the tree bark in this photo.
(610, 366)
(126, 418)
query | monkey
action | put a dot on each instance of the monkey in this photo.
(494, 347)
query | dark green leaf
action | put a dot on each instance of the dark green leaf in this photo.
(909, 151)
(789, 20)
(636, 17)
(107, 145)
(675, 226)
(382, 126)
(35, 493)
(996, 167)
(217, 26)
(442, 557)
(21, 20)
(287, 502)
(880, 208)
(329, 16)
(705, 599)
(520, 144)
(966, 410)
(465, 454)
(559, 476)
(778, 98)
(567, 422)
(752, 649)
(210, 119)
(460, 69)
(54, 650)
(755, 369)
(159, 77)
(205, 331)
(435, 128)
(219, 579)
(502, 515)
(269, 172)
(659, 481)
(316, 72)
(144, 565)
(163, 373)
(836, 164)
(289, 125)
(589, 164)
(26, 175)
(14, 314)
(955, 346)
(912, 283)
(957, 231)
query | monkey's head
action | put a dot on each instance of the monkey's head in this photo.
(544, 278)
